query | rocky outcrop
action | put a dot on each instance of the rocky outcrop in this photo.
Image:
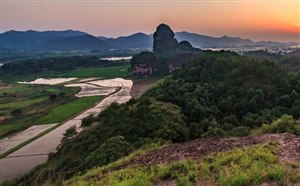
(167, 56)
(143, 64)
(185, 46)
(164, 40)
(201, 147)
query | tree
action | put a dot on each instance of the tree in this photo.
(16, 112)
(53, 97)
(87, 121)
(113, 149)
(281, 125)
(62, 94)
(70, 132)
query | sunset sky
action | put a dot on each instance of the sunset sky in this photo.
(257, 20)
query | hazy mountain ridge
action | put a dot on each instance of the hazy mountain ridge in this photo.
(51, 40)
(137, 40)
(61, 40)
(203, 41)
(82, 42)
(33, 40)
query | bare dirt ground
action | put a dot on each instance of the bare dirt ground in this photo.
(199, 148)
(142, 85)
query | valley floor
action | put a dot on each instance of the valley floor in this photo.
(26, 158)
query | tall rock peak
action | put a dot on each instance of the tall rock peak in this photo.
(164, 40)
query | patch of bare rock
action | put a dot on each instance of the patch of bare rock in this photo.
(199, 148)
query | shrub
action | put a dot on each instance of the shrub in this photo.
(70, 133)
(284, 124)
(62, 94)
(87, 121)
(16, 112)
(240, 131)
(52, 97)
(113, 149)
(214, 130)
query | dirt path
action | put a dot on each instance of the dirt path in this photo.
(35, 153)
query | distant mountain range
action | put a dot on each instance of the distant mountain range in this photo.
(70, 40)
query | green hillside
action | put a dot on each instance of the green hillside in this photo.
(221, 94)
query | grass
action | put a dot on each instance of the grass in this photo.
(95, 172)
(109, 72)
(251, 165)
(21, 104)
(248, 166)
(65, 111)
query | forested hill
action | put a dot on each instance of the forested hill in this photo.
(289, 61)
(233, 92)
(220, 94)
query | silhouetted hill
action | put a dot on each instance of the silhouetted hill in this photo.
(137, 40)
(33, 40)
(141, 40)
(84, 42)
(203, 41)
(102, 38)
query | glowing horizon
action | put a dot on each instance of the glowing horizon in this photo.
(255, 20)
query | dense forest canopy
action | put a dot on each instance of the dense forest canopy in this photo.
(54, 64)
(219, 94)
(289, 61)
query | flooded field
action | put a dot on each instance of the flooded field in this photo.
(116, 58)
(35, 153)
(51, 81)
(16, 139)
(91, 90)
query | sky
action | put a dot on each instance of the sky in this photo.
(276, 20)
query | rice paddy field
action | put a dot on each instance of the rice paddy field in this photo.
(67, 110)
(23, 105)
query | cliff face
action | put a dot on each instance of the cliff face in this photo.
(167, 54)
(144, 63)
(164, 41)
